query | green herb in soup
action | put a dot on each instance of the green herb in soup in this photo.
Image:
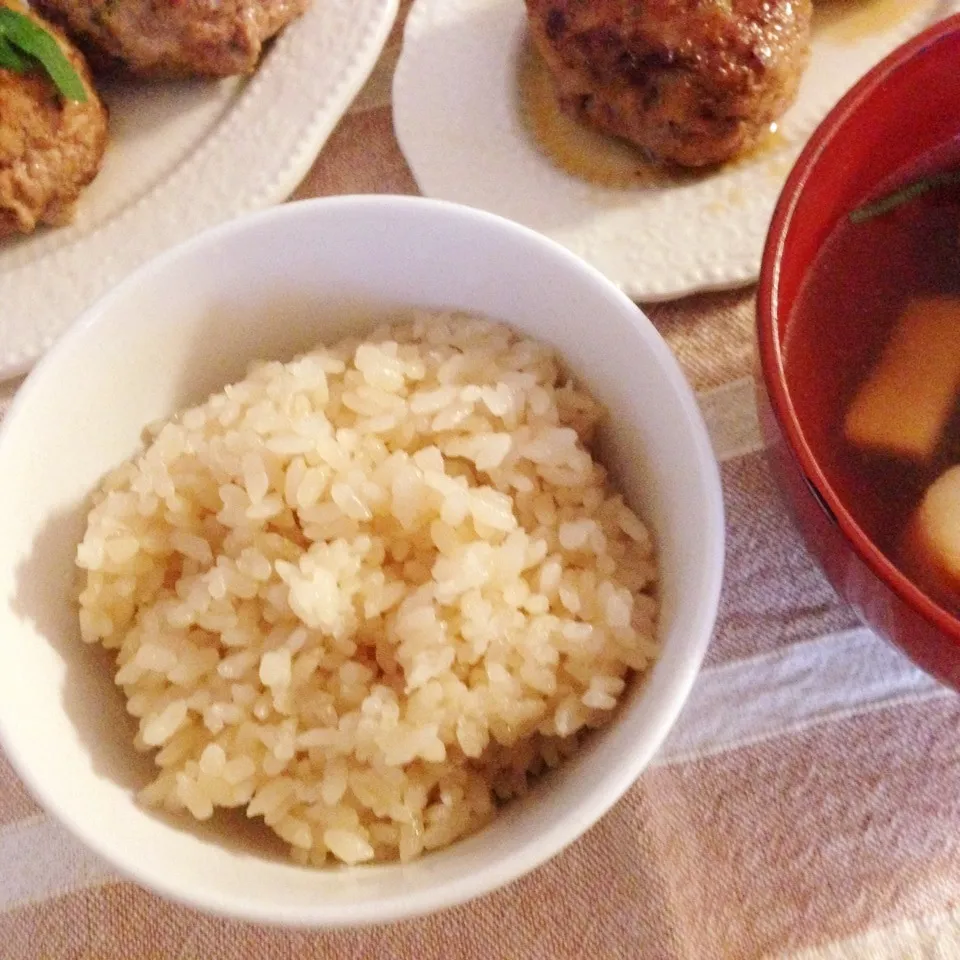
(902, 195)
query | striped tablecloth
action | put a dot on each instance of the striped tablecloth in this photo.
(807, 804)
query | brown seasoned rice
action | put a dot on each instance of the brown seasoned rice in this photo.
(369, 593)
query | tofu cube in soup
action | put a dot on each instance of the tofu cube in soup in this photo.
(920, 364)
(931, 550)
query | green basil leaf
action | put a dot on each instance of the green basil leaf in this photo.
(10, 59)
(21, 32)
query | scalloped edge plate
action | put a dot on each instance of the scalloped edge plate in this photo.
(457, 120)
(239, 145)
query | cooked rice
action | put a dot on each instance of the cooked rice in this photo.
(369, 594)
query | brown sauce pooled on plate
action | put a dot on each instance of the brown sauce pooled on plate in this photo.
(599, 158)
(847, 21)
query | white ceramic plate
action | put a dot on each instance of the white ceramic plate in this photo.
(458, 123)
(185, 156)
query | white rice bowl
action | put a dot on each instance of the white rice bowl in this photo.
(368, 595)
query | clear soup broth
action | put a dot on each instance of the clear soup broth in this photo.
(857, 303)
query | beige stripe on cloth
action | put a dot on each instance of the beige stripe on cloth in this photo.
(933, 937)
(807, 800)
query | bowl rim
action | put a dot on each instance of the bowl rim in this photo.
(671, 697)
(768, 343)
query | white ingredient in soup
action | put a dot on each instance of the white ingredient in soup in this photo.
(369, 594)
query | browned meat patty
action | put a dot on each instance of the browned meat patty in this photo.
(173, 38)
(690, 81)
(50, 148)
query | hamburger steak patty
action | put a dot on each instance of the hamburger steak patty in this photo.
(173, 38)
(50, 148)
(690, 81)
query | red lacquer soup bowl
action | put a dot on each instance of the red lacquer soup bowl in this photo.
(905, 109)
